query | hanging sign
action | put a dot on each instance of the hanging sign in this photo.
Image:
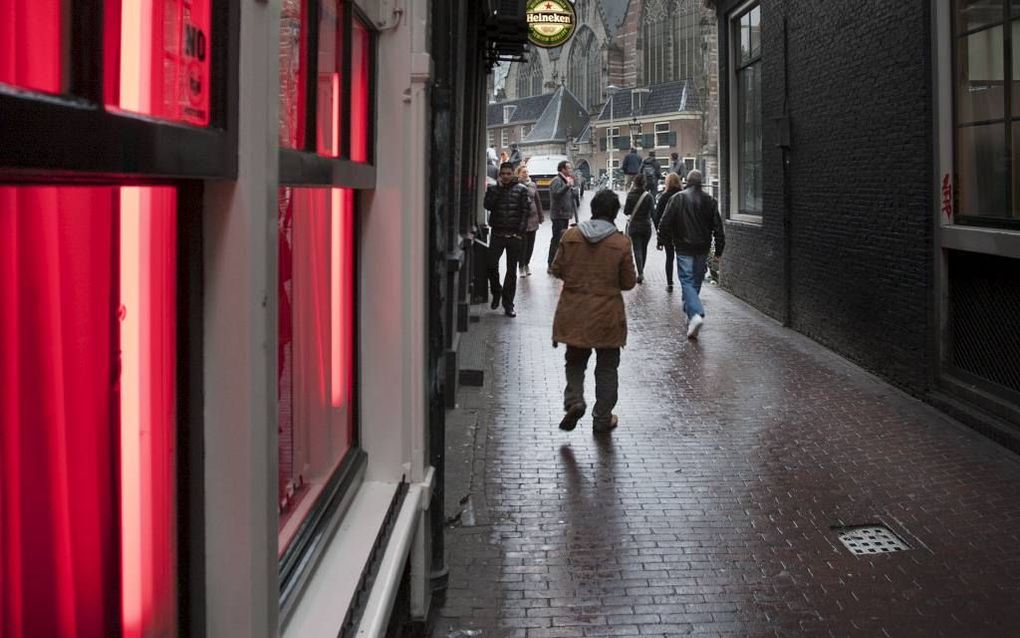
(550, 22)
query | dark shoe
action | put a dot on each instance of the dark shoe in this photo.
(573, 415)
(614, 421)
(495, 302)
(641, 279)
(669, 287)
(510, 312)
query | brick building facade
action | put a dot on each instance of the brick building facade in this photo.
(856, 198)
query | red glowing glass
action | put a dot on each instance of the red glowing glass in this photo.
(158, 56)
(361, 75)
(87, 370)
(330, 78)
(316, 345)
(31, 44)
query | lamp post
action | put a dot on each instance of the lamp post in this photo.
(635, 112)
(611, 90)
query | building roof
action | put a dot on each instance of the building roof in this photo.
(614, 12)
(564, 117)
(529, 109)
(669, 97)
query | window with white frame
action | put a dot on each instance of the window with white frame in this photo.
(508, 113)
(525, 130)
(492, 138)
(746, 129)
(504, 138)
(662, 134)
(986, 126)
(612, 133)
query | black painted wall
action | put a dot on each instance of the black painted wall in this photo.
(843, 252)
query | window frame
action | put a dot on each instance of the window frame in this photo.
(504, 138)
(1009, 119)
(612, 132)
(119, 147)
(736, 65)
(657, 133)
(491, 138)
(305, 168)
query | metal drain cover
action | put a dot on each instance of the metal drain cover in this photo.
(871, 539)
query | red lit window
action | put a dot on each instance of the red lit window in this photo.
(31, 46)
(361, 75)
(87, 373)
(328, 86)
(293, 50)
(158, 58)
(315, 346)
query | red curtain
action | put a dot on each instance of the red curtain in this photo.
(361, 74)
(328, 86)
(315, 343)
(59, 561)
(30, 44)
(293, 52)
(87, 396)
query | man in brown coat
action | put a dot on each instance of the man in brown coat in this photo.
(595, 262)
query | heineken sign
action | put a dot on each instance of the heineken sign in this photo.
(550, 22)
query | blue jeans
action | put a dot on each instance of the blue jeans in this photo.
(691, 270)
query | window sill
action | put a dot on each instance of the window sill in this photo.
(743, 219)
(979, 239)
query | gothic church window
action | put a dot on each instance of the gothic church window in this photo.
(584, 68)
(671, 41)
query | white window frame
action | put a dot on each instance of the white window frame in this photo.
(492, 138)
(659, 132)
(612, 164)
(504, 138)
(525, 129)
(508, 113)
(612, 132)
(733, 188)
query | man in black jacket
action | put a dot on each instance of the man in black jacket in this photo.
(690, 223)
(631, 166)
(508, 203)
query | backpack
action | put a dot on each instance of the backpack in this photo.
(649, 173)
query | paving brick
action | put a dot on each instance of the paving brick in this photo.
(710, 510)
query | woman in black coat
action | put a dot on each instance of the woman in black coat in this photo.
(639, 211)
(673, 186)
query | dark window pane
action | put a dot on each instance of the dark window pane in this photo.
(1016, 170)
(755, 16)
(971, 14)
(749, 139)
(745, 38)
(979, 69)
(1016, 67)
(982, 170)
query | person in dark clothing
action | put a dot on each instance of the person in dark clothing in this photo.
(672, 188)
(691, 221)
(652, 173)
(509, 206)
(676, 165)
(562, 205)
(631, 166)
(515, 156)
(639, 225)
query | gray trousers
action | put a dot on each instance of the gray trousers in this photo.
(606, 380)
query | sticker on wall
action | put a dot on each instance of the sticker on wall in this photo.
(550, 22)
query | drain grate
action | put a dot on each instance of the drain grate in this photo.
(871, 539)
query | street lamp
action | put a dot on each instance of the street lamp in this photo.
(611, 90)
(635, 112)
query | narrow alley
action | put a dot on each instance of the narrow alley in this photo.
(716, 506)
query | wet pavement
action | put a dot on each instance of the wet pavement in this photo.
(715, 508)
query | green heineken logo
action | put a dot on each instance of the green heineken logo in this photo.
(550, 22)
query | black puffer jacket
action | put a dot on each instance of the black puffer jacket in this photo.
(690, 223)
(640, 214)
(509, 207)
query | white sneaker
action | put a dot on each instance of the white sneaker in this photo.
(694, 325)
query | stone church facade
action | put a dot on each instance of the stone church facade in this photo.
(638, 46)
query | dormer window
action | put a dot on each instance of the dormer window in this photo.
(508, 113)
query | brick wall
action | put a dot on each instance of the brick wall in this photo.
(859, 186)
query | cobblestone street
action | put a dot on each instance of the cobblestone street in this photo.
(715, 507)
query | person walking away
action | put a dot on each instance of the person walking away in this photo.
(515, 156)
(562, 205)
(672, 188)
(491, 164)
(691, 221)
(653, 173)
(631, 167)
(675, 164)
(536, 216)
(639, 225)
(595, 263)
(508, 203)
